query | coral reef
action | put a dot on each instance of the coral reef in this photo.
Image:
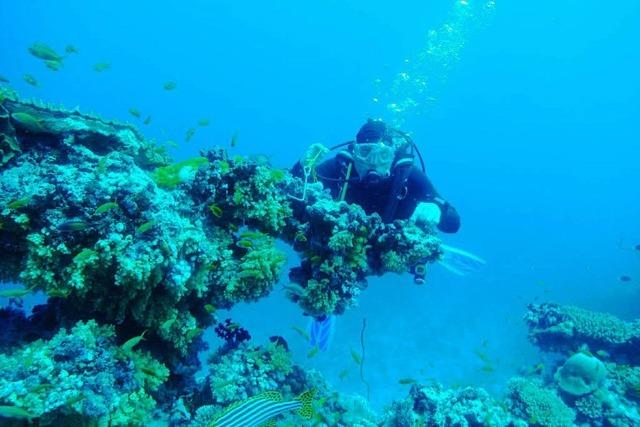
(598, 378)
(432, 405)
(81, 374)
(136, 252)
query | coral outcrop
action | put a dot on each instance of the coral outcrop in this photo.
(118, 235)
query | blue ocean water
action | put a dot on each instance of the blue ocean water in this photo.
(528, 124)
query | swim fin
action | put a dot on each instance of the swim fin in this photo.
(460, 262)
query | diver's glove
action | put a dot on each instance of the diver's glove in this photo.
(427, 213)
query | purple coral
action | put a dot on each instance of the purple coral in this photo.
(232, 333)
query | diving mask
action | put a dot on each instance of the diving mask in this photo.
(373, 160)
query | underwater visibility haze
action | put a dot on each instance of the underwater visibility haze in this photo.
(182, 243)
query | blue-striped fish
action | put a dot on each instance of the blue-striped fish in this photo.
(262, 408)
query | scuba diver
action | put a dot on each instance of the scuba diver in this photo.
(377, 172)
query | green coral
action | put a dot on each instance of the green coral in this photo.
(258, 199)
(258, 269)
(172, 175)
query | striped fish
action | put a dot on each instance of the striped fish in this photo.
(261, 409)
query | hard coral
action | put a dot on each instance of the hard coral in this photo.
(538, 405)
(79, 372)
(581, 374)
(554, 327)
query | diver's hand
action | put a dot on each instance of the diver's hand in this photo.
(427, 213)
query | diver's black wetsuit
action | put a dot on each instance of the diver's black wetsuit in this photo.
(375, 197)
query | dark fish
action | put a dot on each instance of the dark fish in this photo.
(170, 85)
(189, 134)
(637, 247)
(625, 278)
(73, 225)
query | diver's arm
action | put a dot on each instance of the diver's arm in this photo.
(328, 172)
(446, 217)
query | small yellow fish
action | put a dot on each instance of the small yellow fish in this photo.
(209, 308)
(57, 293)
(171, 143)
(167, 323)
(128, 346)
(189, 134)
(28, 122)
(215, 210)
(14, 293)
(244, 243)
(192, 333)
(343, 374)
(356, 357)
(105, 207)
(221, 384)
(481, 355)
(75, 399)
(42, 51)
(487, 368)
(150, 372)
(301, 332)
(134, 112)
(84, 254)
(70, 49)
(41, 387)
(313, 352)
(171, 85)
(10, 411)
(101, 66)
(294, 289)
(29, 79)
(147, 121)
(203, 122)
(19, 203)
(145, 227)
(53, 64)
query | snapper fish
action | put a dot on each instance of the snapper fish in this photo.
(262, 409)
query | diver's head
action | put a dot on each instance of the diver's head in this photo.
(373, 152)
